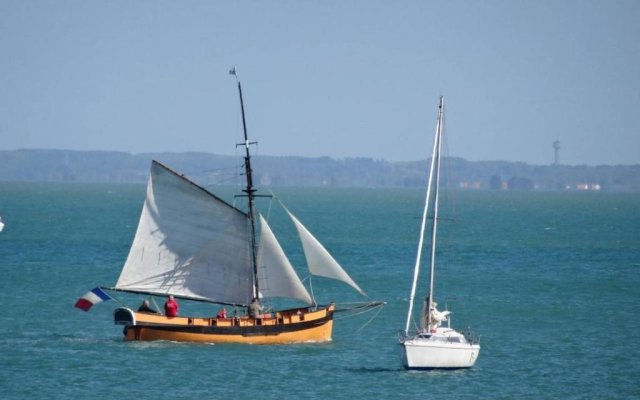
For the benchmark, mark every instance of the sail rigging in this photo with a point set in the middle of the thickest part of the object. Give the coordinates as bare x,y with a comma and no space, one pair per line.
426,314
435,164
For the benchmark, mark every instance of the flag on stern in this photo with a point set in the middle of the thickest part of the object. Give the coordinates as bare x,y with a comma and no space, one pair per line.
91,298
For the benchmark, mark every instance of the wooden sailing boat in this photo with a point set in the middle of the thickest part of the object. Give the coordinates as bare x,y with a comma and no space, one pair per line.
432,345
194,246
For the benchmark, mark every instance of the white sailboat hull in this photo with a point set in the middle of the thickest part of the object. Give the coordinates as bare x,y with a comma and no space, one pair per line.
448,350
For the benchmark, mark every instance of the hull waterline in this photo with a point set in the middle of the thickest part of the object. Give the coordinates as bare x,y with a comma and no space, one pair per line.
283,327
424,354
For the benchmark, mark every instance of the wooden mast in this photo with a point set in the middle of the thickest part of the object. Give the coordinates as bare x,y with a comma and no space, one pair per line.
249,190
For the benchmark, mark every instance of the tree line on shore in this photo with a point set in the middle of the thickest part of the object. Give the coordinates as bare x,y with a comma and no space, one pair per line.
212,169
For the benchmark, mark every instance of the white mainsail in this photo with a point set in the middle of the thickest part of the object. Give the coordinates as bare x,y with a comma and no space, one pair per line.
319,261
276,275
189,243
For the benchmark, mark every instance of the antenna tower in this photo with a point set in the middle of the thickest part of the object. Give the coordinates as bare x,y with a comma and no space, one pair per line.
556,152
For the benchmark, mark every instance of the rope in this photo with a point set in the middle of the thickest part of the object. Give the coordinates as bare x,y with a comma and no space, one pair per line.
362,307
370,320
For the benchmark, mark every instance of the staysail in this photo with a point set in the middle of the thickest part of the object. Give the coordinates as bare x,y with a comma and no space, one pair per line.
275,273
189,243
319,261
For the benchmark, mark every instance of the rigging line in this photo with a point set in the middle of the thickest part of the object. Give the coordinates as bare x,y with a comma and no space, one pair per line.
116,299
153,300
196,299
274,197
313,296
271,196
416,326
370,320
364,309
265,279
269,209
351,315
221,169
361,304
451,181
221,182
379,306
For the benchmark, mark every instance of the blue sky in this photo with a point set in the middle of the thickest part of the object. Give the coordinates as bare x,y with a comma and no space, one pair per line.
325,78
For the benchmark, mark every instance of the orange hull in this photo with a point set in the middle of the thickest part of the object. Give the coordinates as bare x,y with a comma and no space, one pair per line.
290,326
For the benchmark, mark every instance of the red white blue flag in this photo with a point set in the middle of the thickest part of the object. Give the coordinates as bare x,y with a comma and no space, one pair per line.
91,298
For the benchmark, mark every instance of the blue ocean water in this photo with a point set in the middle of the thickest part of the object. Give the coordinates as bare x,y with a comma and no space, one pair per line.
548,280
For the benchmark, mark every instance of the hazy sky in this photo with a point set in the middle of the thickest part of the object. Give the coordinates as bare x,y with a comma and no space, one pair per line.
325,78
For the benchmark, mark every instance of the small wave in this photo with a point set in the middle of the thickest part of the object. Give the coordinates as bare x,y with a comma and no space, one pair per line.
373,370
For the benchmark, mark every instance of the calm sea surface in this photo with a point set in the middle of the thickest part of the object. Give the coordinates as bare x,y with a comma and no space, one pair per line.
550,281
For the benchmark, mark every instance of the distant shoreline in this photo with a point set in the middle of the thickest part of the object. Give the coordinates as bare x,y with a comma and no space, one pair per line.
39,165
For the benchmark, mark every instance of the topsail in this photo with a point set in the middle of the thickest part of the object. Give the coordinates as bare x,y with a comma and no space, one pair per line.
319,261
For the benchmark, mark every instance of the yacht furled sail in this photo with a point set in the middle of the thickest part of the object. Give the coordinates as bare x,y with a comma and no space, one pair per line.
192,245
432,345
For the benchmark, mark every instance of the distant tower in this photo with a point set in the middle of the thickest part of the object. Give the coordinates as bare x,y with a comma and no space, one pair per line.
556,152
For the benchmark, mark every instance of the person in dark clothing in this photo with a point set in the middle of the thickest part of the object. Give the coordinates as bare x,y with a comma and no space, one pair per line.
145,307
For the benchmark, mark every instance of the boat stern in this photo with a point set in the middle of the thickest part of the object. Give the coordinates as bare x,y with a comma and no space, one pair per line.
124,316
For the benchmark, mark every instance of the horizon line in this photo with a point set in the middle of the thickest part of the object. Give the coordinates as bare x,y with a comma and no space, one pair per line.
314,157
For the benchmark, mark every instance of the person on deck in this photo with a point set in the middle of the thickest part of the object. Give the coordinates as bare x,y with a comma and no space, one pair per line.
171,307
255,309
222,313
145,307
437,317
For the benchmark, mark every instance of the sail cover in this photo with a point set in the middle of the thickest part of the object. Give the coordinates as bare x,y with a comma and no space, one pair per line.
319,261
189,243
276,275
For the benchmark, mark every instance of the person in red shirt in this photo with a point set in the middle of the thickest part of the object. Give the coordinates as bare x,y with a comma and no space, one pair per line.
171,307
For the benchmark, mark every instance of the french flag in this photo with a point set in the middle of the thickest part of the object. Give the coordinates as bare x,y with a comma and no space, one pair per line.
91,298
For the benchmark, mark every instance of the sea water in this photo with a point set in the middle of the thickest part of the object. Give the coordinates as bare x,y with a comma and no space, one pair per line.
549,281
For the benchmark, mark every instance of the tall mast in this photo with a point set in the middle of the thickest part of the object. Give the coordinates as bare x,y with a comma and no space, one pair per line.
416,269
249,190
435,210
